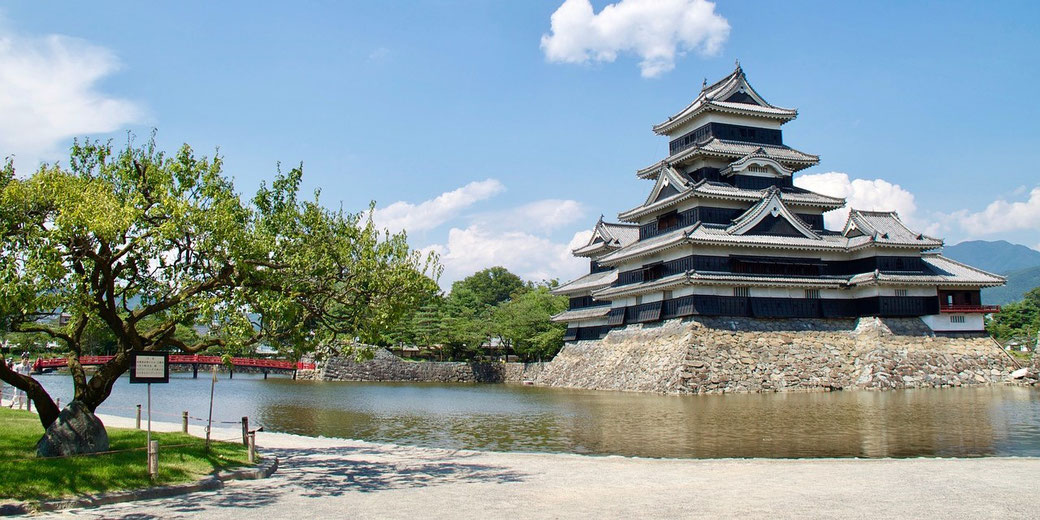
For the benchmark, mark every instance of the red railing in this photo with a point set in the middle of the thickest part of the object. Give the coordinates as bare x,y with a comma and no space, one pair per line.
180,359
980,309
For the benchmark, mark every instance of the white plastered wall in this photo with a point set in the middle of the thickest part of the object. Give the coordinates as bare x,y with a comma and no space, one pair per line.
943,323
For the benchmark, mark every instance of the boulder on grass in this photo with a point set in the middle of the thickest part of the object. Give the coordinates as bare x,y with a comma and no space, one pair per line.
76,431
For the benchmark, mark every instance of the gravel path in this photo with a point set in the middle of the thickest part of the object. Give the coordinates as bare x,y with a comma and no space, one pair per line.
336,478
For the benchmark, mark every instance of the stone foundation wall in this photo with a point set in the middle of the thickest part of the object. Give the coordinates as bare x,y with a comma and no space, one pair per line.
718,355
385,366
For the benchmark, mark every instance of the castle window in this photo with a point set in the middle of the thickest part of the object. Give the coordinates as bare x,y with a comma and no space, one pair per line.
812,294
956,319
667,221
901,292
742,292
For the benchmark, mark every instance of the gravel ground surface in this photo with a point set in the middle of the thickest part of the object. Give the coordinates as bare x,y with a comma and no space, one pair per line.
337,478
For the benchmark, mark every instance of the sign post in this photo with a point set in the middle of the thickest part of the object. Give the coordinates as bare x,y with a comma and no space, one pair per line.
209,423
150,367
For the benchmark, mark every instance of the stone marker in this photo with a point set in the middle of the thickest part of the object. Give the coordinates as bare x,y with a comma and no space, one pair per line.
76,431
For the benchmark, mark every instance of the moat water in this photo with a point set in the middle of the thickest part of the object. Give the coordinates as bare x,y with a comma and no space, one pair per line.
955,422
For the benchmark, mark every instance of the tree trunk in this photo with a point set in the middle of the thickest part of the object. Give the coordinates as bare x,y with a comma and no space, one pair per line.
99,387
45,407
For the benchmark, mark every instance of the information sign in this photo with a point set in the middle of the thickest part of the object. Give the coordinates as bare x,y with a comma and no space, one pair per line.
149,367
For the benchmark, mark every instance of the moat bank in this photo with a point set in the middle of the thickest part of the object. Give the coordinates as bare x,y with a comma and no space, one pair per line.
730,355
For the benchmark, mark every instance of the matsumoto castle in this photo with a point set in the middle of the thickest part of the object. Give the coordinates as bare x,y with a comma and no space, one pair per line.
724,232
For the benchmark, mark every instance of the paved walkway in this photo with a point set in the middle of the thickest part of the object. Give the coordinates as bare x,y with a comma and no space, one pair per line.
334,478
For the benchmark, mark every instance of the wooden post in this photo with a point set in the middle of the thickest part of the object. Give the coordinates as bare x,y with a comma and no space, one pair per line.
153,459
231,372
194,370
252,447
245,431
138,417
58,404
184,422
265,373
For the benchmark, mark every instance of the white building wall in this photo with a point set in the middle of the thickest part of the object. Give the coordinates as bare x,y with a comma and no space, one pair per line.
943,323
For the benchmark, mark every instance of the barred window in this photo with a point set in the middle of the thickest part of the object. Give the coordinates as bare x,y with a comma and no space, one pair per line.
956,319
812,294
902,292
742,292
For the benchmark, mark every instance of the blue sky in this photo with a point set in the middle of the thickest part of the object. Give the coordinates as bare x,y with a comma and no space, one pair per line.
492,148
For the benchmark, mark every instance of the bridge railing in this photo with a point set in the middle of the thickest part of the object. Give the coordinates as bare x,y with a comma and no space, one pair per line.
190,359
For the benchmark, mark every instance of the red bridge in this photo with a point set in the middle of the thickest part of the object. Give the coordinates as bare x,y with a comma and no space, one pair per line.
194,360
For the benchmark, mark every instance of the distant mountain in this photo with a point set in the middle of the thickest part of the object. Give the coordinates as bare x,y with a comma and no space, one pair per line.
999,257
1020,264
1018,283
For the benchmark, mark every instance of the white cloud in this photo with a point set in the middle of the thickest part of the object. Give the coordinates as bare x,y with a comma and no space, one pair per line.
872,195
529,256
1001,215
48,94
545,216
517,238
435,212
655,30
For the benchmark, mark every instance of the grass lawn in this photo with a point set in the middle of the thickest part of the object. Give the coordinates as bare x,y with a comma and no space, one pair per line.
25,477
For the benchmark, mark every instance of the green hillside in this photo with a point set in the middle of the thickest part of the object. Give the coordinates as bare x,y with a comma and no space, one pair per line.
998,256
1018,263
1018,283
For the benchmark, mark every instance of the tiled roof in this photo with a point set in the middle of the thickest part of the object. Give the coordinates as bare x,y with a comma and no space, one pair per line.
642,288
588,313
612,236
714,235
650,245
710,98
790,157
721,190
587,282
625,233
771,204
943,271
707,278
885,227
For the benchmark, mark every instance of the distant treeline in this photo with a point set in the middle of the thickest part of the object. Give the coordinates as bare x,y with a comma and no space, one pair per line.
492,311
1019,320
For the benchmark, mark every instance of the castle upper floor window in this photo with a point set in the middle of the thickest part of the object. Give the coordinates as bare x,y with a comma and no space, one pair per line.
668,220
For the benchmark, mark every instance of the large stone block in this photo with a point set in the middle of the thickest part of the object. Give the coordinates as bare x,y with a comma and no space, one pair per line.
76,431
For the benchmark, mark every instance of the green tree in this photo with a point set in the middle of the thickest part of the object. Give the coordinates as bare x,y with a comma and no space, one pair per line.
523,322
466,322
488,287
150,246
1018,319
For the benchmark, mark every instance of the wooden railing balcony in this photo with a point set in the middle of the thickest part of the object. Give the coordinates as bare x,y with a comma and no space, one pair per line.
979,309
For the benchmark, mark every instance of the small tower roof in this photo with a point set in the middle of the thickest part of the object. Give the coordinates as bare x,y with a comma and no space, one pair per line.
731,94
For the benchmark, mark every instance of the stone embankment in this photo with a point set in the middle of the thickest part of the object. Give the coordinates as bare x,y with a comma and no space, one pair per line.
720,355
385,366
